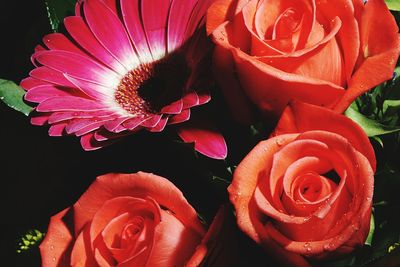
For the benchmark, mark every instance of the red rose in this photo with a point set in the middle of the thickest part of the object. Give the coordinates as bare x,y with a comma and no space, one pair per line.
128,220
324,52
286,195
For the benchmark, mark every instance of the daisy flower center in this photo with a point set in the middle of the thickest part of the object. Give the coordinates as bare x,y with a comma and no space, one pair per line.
151,86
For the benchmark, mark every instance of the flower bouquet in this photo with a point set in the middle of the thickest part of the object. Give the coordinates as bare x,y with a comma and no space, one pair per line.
201,133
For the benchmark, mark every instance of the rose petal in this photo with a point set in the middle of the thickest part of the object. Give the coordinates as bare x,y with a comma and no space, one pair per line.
173,242
82,254
246,178
139,184
380,48
291,86
302,117
55,248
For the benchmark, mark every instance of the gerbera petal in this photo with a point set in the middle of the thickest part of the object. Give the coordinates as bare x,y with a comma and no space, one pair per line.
183,116
178,19
79,124
206,138
89,83
78,8
57,41
197,17
43,92
131,14
112,4
78,66
119,129
110,32
204,97
89,143
40,119
69,103
37,50
190,100
152,121
133,123
57,129
160,125
49,75
89,128
79,30
29,83
92,90
173,108
112,125
104,135
155,17
67,115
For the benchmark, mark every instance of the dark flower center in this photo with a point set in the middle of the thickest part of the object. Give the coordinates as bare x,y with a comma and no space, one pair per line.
152,86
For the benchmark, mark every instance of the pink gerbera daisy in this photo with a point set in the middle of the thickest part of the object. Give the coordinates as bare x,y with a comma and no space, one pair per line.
126,65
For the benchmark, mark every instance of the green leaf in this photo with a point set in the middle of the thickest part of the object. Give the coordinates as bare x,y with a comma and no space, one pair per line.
57,10
221,180
368,242
31,239
393,4
378,140
12,95
391,106
371,127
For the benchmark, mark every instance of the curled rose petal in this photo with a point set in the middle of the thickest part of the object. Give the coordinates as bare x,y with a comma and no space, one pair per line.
135,219
306,192
325,53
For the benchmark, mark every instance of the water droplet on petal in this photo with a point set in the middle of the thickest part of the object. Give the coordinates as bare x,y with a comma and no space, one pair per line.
307,246
328,246
279,142
355,227
54,258
51,247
